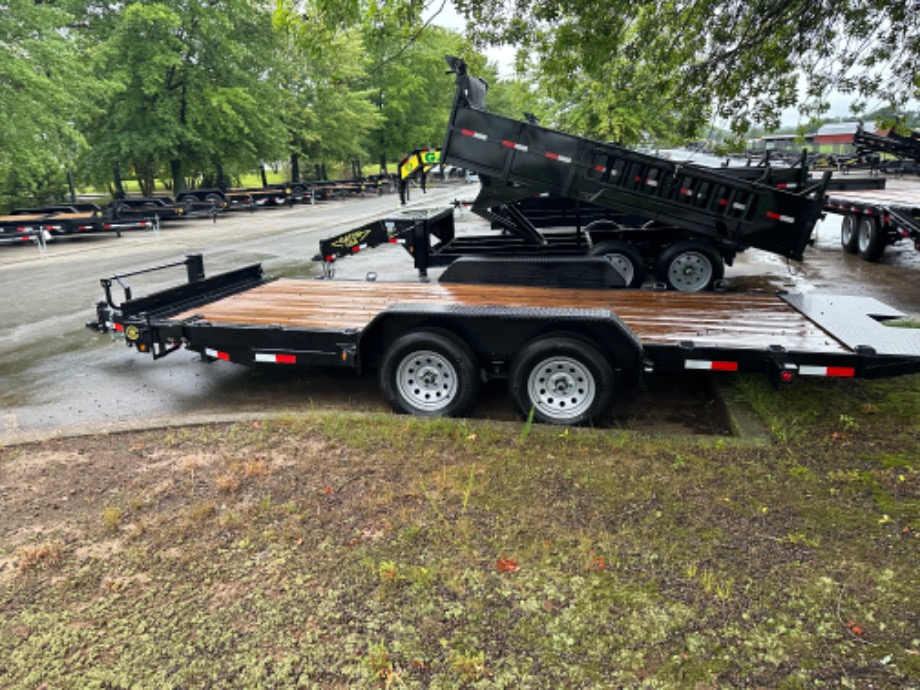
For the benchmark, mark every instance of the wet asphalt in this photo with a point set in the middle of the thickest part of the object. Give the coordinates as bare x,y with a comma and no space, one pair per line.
58,377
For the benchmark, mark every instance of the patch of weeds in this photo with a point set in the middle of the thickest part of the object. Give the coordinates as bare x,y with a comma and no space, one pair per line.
39,556
379,664
112,518
227,483
469,667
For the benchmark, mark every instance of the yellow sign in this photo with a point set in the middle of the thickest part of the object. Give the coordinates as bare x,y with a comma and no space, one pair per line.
131,333
426,158
351,239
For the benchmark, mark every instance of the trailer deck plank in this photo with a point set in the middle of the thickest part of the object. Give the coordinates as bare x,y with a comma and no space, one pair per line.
707,320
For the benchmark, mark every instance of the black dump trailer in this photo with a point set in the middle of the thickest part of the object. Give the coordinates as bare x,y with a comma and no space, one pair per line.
901,147
564,352
692,219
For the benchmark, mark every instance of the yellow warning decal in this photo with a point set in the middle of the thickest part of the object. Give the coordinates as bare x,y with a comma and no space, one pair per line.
351,239
132,333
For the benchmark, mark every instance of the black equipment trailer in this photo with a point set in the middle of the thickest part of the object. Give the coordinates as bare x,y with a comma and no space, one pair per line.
563,351
693,218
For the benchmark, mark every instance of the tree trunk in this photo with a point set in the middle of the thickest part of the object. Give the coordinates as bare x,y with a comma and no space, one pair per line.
383,164
262,173
295,167
175,168
119,187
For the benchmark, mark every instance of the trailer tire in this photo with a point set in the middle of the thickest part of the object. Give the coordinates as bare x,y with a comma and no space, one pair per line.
689,266
849,237
429,374
561,380
870,238
625,258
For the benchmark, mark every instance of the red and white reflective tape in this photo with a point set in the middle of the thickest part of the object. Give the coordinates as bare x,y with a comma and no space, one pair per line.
787,185
396,240
557,157
512,145
118,327
738,207
357,248
475,135
600,168
217,354
772,215
651,183
686,192
841,372
708,365
275,359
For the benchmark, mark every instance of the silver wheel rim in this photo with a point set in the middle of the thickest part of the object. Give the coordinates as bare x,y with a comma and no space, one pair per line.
864,236
846,230
427,380
690,271
622,265
561,388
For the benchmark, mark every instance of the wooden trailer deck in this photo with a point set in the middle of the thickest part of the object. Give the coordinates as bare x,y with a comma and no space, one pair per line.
706,319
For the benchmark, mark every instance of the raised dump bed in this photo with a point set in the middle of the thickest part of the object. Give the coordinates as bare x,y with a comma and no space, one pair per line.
516,159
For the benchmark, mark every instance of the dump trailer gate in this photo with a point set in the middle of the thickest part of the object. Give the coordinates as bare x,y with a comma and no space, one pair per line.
516,159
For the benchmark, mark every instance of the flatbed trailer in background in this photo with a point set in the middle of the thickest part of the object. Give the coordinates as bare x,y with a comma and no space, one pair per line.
564,352
20,228
875,219
77,219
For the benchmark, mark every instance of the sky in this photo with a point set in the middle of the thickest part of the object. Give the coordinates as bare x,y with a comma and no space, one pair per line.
503,57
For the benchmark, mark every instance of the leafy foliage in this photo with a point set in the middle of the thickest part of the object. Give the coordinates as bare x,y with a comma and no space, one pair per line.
741,61
192,83
43,89
327,110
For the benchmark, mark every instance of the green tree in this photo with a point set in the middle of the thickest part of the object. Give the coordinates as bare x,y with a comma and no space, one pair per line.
44,89
740,61
408,85
192,89
327,111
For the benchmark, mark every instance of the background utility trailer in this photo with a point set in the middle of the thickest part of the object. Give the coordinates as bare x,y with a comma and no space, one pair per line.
565,352
694,218
874,219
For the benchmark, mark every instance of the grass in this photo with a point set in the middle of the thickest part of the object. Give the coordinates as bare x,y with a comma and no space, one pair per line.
382,551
